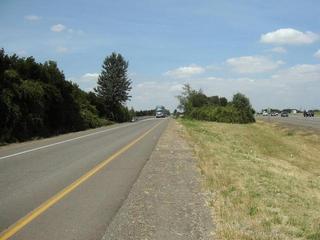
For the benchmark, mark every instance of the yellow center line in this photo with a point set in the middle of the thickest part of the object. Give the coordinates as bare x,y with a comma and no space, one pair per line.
17,226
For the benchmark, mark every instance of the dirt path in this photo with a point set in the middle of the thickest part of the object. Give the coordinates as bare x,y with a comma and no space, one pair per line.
167,201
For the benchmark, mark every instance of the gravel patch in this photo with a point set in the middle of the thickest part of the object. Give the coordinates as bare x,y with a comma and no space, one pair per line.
167,201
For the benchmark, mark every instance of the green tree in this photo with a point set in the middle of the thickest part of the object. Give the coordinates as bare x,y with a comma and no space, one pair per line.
244,108
184,103
114,85
191,98
214,100
36,100
223,101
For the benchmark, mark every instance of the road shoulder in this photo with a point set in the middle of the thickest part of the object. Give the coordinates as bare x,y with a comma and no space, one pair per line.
167,201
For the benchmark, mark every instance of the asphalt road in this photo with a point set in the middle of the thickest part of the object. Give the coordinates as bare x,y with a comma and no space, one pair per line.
50,183
295,120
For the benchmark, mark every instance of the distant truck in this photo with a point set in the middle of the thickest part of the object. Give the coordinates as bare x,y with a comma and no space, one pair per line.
160,112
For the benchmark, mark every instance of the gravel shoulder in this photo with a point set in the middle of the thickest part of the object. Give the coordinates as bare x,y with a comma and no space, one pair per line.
167,201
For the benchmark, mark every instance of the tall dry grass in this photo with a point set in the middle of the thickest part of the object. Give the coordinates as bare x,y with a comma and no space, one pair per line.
265,179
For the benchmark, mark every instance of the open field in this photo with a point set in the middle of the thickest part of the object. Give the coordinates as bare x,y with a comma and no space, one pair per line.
265,179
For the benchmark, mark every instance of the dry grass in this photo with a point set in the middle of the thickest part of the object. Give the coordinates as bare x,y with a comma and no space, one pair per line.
265,179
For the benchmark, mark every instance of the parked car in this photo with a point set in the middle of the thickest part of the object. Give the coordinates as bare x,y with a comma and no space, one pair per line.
274,114
284,114
265,113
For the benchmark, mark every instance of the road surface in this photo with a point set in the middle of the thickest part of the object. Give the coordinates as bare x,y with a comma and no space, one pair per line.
295,120
70,186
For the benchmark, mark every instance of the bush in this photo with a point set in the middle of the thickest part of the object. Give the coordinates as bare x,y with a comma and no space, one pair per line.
197,105
228,114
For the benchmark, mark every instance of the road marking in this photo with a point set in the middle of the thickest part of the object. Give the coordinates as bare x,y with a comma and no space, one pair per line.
68,140
17,226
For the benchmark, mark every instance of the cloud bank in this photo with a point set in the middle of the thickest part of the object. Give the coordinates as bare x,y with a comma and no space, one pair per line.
289,36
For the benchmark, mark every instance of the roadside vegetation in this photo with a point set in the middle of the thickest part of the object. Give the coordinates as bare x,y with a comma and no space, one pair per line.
37,101
196,105
264,179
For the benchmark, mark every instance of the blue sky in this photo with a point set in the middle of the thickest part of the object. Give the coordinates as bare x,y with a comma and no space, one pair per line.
269,50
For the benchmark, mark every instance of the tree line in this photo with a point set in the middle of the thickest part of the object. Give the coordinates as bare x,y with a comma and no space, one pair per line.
37,101
195,104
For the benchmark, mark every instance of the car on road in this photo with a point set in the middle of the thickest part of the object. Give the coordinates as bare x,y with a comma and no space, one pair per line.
274,114
160,114
265,113
284,114
310,113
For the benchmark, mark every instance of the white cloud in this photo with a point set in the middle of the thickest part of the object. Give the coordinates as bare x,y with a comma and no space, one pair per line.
176,88
61,49
185,72
289,36
58,28
87,81
32,17
89,77
317,54
253,64
295,87
147,95
301,73
279,50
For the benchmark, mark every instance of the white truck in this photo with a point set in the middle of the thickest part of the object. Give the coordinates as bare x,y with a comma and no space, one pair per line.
160,112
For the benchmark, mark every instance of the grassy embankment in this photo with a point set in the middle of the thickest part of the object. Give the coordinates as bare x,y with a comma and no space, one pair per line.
265,179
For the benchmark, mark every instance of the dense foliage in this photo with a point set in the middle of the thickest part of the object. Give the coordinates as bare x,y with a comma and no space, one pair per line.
150,112
37,101
195,104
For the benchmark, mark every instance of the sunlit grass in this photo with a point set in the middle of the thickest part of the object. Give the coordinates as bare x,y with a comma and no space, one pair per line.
265,179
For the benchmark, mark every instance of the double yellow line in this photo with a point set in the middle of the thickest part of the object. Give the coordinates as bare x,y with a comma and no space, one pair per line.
17,226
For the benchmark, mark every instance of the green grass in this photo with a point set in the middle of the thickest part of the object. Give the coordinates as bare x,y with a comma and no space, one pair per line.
265,179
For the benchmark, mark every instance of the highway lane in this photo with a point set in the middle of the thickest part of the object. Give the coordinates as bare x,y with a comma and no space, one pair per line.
33,172
294,120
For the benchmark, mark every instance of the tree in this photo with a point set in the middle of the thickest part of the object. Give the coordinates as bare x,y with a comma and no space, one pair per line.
184,104
191,98
214,100
223,101
198,99
36,100
113,84
243,106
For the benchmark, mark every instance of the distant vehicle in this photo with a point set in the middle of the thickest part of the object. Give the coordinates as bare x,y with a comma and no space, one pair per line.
265,113
274,114
284,114
310,113
160,112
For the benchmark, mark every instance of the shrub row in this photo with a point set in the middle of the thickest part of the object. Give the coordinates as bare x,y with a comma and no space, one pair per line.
228,114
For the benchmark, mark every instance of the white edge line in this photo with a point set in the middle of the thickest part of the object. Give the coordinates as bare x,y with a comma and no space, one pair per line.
72,139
